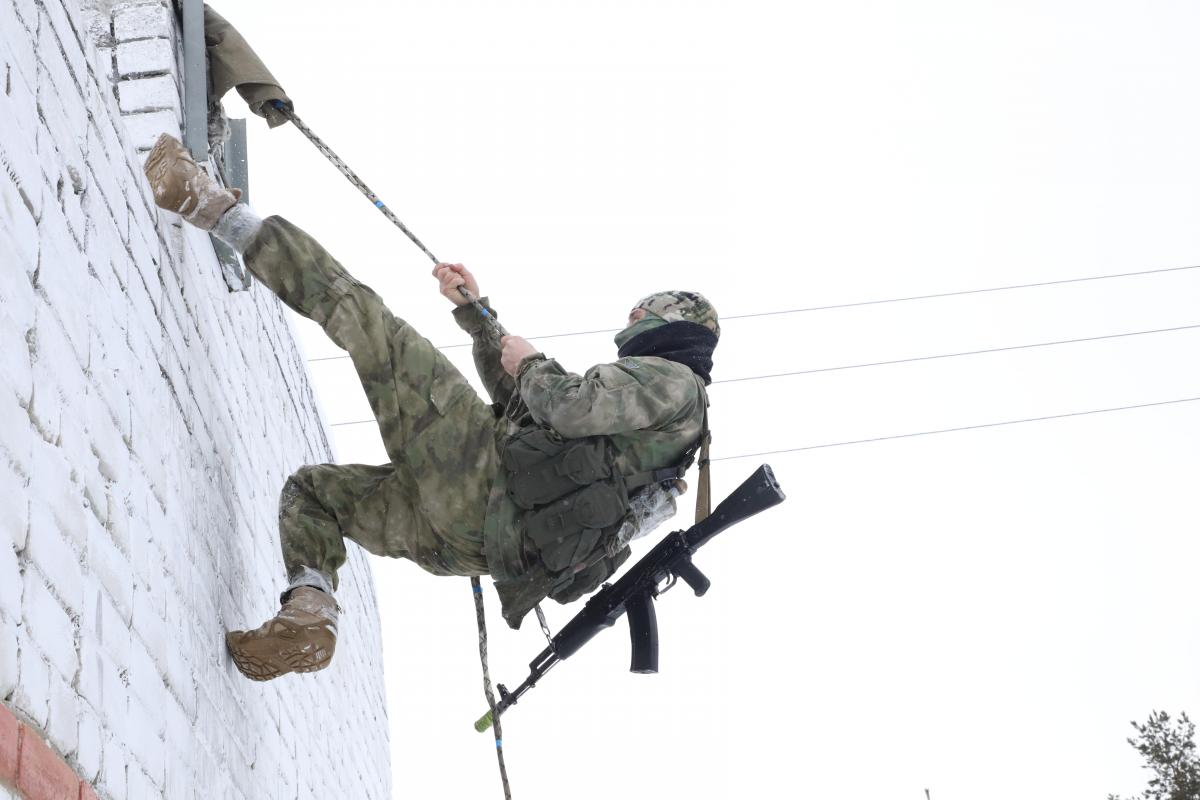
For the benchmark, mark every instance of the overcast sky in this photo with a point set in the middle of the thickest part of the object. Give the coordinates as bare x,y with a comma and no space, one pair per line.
978,613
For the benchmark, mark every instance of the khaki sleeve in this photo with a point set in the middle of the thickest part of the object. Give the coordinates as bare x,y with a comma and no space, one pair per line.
629,395
232,63
485,348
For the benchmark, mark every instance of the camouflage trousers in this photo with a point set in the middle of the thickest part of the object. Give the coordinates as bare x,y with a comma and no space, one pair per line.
428,504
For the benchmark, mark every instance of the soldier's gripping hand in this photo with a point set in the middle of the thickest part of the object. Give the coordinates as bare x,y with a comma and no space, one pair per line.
515,350
452,276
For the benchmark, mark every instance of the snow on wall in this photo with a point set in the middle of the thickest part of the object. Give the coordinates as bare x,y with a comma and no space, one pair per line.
148,419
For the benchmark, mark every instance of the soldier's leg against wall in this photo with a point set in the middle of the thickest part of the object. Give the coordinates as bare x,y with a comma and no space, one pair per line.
310,505
320,507
432,423
374,506
407,380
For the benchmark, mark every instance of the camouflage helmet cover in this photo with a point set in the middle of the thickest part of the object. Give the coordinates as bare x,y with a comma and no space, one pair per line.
682,307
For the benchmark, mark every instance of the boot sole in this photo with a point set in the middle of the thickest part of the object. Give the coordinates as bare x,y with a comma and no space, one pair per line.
272,662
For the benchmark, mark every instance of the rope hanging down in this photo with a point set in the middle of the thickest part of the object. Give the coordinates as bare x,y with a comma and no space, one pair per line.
477,589
497,329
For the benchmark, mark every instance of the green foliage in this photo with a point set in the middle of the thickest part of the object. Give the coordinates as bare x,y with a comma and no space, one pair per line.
1170,753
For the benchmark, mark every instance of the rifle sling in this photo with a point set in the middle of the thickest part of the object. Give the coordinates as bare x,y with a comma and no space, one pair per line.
649,477
704,487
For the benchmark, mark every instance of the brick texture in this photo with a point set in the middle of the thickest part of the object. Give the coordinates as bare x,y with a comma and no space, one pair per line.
150,418
10,738
43,775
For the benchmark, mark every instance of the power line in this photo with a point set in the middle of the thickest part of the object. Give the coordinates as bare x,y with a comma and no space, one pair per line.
855,304
956,355
966,292
956,430
528,338
915,359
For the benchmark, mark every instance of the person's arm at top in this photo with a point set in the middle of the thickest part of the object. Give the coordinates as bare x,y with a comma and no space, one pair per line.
485,347
629,395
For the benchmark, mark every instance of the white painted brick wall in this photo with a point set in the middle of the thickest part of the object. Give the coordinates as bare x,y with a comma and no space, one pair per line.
158,93
144,57
143,444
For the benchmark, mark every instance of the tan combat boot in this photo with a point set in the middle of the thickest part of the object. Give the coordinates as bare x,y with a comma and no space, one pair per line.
300,638
181,186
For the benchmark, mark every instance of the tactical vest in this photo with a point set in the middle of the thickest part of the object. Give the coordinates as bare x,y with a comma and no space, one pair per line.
574,501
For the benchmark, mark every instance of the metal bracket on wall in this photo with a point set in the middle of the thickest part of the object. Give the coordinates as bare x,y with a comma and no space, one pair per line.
230,159
237,161
234,169
196,128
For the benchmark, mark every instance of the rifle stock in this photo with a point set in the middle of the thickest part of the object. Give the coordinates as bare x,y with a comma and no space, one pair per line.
757,493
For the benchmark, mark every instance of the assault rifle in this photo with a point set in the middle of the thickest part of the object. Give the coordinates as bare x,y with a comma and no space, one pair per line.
634,592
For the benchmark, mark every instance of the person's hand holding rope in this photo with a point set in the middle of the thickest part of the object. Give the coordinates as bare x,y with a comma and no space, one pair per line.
515,351
452,276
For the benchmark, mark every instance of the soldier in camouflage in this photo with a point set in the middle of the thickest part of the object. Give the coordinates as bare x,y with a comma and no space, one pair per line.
460,495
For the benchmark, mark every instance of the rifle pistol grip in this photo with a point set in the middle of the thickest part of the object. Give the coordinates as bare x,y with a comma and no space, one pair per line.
693,577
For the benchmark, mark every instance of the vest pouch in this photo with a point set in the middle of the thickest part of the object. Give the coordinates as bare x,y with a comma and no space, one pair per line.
568,530
541,469
588,581
584,462
531,447
526,457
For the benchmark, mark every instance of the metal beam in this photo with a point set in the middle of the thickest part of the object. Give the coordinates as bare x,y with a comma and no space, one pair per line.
237,167
195,80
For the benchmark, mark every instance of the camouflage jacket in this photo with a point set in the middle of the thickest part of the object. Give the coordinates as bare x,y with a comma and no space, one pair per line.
652,409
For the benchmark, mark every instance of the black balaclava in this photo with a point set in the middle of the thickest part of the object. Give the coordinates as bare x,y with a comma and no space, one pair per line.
687,343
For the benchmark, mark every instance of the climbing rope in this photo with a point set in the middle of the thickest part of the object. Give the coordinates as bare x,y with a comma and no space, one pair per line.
487,684
497,329
361,185
351,176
